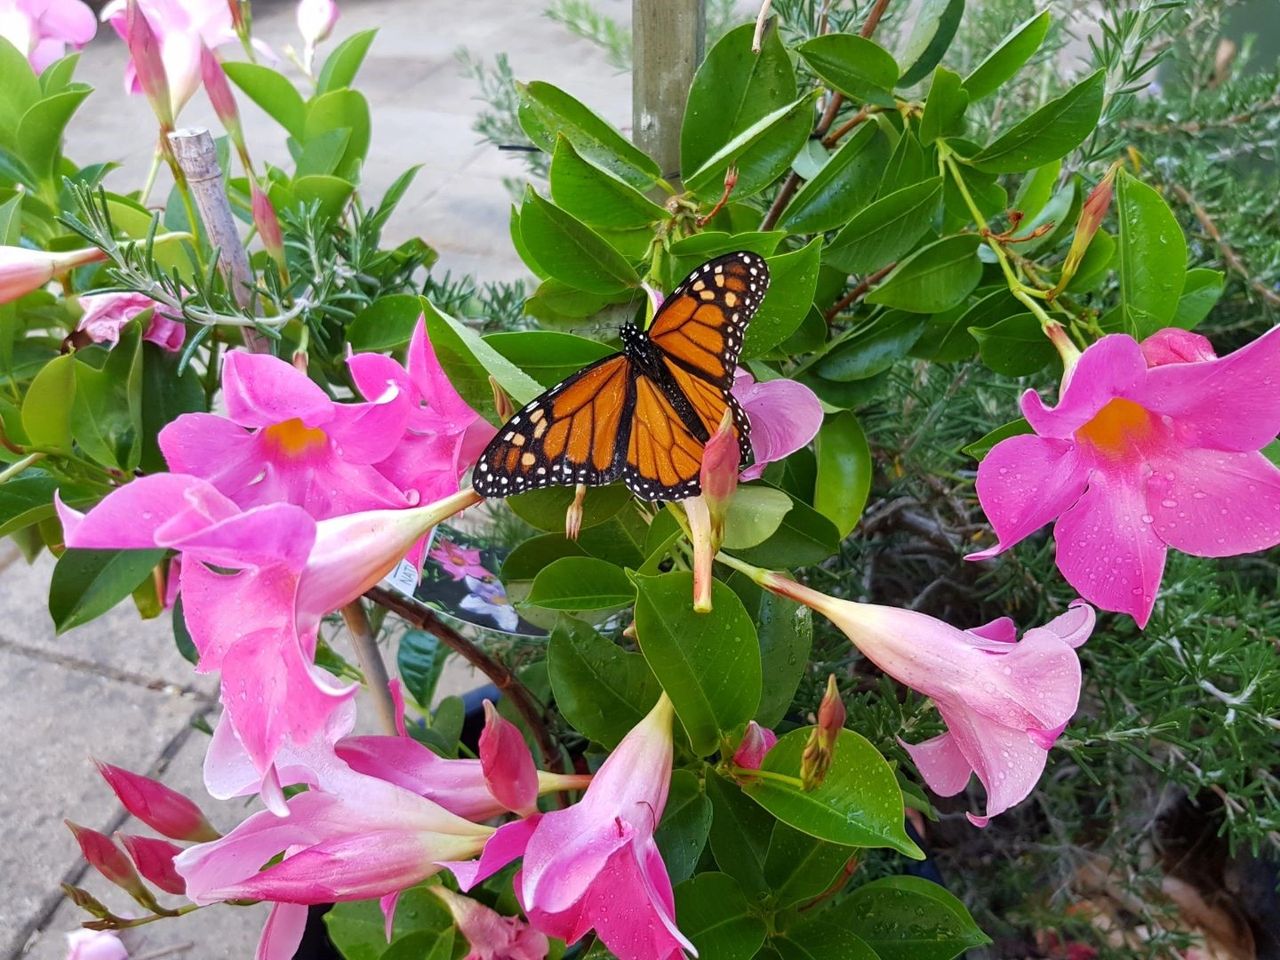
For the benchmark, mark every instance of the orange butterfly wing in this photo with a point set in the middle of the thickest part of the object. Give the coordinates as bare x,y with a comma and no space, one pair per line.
664,458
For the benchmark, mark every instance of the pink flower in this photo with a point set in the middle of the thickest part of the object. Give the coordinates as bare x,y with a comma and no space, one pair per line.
491,935
1004,701
23,270
105,315
459,562
784,415
104,856
595,865
316,19
182,28
1151,447
444,436
95,945
255,584
757,741
285,441
42,29
164,810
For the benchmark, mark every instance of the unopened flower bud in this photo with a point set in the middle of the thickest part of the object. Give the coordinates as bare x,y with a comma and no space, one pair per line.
86,901
105,857
509,770
268,224
815,762
148,64
721,458
1092,213
502,404
224,103
154,860
756,742
162,809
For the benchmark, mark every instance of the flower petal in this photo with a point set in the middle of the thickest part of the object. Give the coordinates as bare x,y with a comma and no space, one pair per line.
1025,482
1175,345
1112,367
1072,628
261,390
941,764
282,933
1211,503
784,416
211,447
137,515
1006,760
645,929
508,843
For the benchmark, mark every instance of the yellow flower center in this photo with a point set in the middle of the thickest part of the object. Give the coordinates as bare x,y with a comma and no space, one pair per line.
1116,428
293,438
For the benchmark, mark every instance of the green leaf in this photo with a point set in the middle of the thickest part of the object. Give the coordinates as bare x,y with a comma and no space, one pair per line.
761,153
331,193
805,536
944,109
1007,59
786,638
686,821
385,324
88,583
166,395
272,92
420,660
740,832
548,356
820,939
19,89
793,278
844,471
28,498
341,66
799,867
323,153
571,251
909,163
337,110
1015,346
842,187
40,131
1036,189
545,508
601,689
859,804
754,513
935,25
596,197
106,409
886,229
1051,132
1153,258
708,663
946,337
982,446
357,928
859,68
1200,291
469,361
934,278
530,555
46,409
713,912
873,348
909,918
581,583
733,88
547,111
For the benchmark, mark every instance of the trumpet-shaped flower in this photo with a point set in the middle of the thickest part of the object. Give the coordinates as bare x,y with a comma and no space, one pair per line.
255,584
285,441
491,935
42,29
443,436
784,416
1004,701
105,315
316,19
23,270
583,863
1152,446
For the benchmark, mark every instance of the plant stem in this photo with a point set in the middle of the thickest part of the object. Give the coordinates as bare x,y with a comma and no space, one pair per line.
790,781
501,676
150,182
371,665
15,468
858,292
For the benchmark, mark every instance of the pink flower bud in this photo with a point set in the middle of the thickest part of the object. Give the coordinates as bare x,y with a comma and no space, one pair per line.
219,91
164,810
509,770
756,742
315,20
23,270
148,64
268,224
1174,345
815,762
95,945
105,857
154,860
720,459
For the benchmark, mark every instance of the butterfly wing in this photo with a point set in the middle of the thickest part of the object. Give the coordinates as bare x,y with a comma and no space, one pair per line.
574,433
664,457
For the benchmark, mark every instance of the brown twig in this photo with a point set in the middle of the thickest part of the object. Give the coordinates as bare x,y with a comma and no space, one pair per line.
831,139
1200,126
858,292
1228,253
502,677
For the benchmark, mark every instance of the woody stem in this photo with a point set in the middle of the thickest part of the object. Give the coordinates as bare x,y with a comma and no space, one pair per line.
371,665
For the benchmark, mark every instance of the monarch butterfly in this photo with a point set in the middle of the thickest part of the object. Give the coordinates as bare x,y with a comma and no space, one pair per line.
644,414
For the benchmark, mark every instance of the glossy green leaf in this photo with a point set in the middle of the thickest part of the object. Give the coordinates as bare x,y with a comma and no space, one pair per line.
19,89
909,918
330,193
88,583
708,663
859,68
581,583
420,660
859,804
547,111
935,23
46,409
271,91
761,153
1051,132
946,337
944,108
469,362
1014,346
571,251
106,410
322,154
1152,258
545,508
793,277
385,324
1036,189
546,355
799,867
740,832
341,66
844,471
531,554
358,929
620,539
337,110
1006,60
166,395
733,88
934,278
713,912
597,197
1200,292
982,446
818,938
872,348
28,498
686,821
754,513
39,139
805,536
886,229
785,630
842,187
909,163
601,690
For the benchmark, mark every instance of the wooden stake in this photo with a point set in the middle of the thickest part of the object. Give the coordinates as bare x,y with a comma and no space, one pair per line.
667,40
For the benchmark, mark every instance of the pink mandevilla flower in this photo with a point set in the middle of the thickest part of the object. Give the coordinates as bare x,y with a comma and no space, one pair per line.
105,315
285,441
1152,446
583,863
42,29
23,270
784,416
491,935
95,945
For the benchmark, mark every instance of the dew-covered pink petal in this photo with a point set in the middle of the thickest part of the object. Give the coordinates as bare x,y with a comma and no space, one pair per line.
1024,482
1112,367
261,390
941,764
1214,503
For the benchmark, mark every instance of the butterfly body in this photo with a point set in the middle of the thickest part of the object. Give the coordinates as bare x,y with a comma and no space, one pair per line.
644,414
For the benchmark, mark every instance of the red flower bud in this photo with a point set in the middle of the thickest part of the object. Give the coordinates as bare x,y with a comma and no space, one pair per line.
268,224
509,770
164,810
105,857
815,762
144,48
219,91
154,860
756,742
